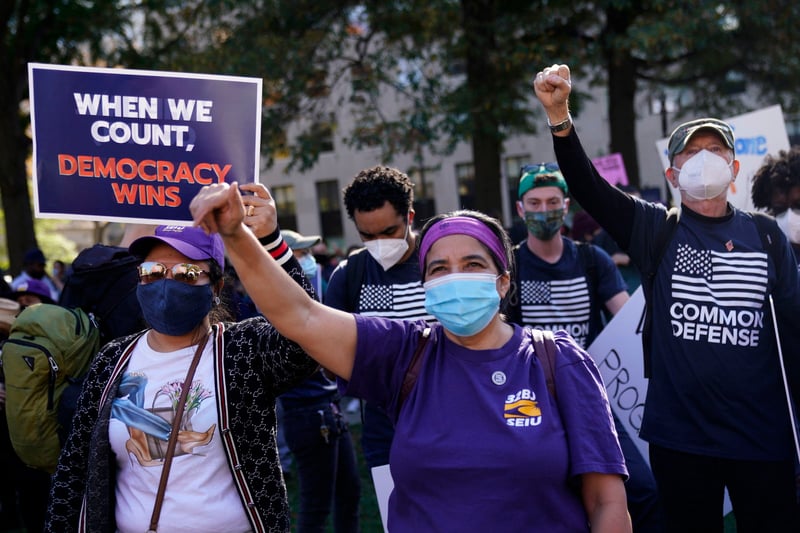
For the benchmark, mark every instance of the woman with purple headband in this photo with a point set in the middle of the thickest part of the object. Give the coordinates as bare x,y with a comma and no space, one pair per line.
480,444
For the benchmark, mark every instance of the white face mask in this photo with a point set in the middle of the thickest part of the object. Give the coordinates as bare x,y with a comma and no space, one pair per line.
789,222
387,252
705,175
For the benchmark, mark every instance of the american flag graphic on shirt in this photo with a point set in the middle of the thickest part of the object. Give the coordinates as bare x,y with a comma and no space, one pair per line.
730,279
553,302
405,301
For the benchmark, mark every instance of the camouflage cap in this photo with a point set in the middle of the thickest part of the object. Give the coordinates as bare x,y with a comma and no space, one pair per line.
683,133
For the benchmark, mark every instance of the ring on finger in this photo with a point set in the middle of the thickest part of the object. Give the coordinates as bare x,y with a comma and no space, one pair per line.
250,209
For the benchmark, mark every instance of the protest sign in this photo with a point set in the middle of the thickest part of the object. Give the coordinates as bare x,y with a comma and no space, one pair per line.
756,134
612,168
136,146
617,352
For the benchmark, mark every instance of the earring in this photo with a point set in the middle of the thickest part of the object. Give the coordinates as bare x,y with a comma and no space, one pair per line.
216,300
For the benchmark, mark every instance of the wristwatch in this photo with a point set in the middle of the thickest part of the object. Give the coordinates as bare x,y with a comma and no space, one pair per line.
561,126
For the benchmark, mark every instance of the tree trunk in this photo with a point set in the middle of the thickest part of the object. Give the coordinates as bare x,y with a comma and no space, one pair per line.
14,148
479,23
622,98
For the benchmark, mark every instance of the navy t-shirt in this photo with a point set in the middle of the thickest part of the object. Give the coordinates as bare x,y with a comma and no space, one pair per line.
559,295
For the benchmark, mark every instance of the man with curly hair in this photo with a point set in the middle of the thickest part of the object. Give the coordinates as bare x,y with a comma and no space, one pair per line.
381,279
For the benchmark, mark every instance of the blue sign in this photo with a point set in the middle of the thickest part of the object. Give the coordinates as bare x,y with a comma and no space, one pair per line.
136,146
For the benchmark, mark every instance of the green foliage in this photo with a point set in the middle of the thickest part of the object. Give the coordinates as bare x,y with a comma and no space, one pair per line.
53,243
454,71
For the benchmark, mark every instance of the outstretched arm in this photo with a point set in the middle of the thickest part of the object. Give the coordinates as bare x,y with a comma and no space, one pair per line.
315,327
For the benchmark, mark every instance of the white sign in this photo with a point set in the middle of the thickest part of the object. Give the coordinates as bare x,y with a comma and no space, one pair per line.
756,134
617,352
384,485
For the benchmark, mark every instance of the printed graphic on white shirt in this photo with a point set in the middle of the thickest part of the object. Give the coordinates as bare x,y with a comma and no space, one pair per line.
149,426
718,296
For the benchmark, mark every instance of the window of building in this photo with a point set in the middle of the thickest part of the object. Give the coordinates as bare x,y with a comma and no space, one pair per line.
465,179
317,84
280,146
330,211
424,180
362,77
286,205
322,133
511,167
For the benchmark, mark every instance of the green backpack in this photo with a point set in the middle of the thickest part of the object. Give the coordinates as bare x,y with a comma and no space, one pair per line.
48,351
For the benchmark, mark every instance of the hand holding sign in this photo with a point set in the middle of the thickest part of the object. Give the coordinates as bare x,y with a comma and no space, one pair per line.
135,146
261,215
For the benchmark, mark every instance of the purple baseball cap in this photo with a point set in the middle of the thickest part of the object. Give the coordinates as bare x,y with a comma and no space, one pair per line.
35,287
191,241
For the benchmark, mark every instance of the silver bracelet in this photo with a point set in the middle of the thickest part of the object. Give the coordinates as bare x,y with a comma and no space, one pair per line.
561,126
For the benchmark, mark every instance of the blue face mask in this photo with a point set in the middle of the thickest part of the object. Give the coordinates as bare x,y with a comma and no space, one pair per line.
173,307
309,265
544,224
463,303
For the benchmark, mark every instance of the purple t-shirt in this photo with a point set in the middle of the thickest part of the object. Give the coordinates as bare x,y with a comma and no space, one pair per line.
479,443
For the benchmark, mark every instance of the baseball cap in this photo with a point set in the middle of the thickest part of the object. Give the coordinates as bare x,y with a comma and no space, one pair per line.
35,287
191,241
683,133
540,175
35,256
297,241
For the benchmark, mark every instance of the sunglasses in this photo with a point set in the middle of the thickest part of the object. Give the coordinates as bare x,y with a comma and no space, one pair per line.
151,271
538,168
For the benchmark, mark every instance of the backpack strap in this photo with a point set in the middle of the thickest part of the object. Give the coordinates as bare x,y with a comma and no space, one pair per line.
410,378
662,240
513,310
544,345
588,261
354,277
768,230
173,435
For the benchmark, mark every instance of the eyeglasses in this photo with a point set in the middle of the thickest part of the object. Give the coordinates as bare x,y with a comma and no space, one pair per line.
188,273
538,168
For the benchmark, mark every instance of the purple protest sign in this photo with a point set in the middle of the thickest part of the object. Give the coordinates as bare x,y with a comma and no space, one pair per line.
136,146
612,168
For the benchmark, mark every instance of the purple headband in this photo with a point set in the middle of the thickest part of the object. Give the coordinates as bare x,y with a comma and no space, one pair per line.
461,225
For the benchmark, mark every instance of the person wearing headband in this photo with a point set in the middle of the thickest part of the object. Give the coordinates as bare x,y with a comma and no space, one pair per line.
479,441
